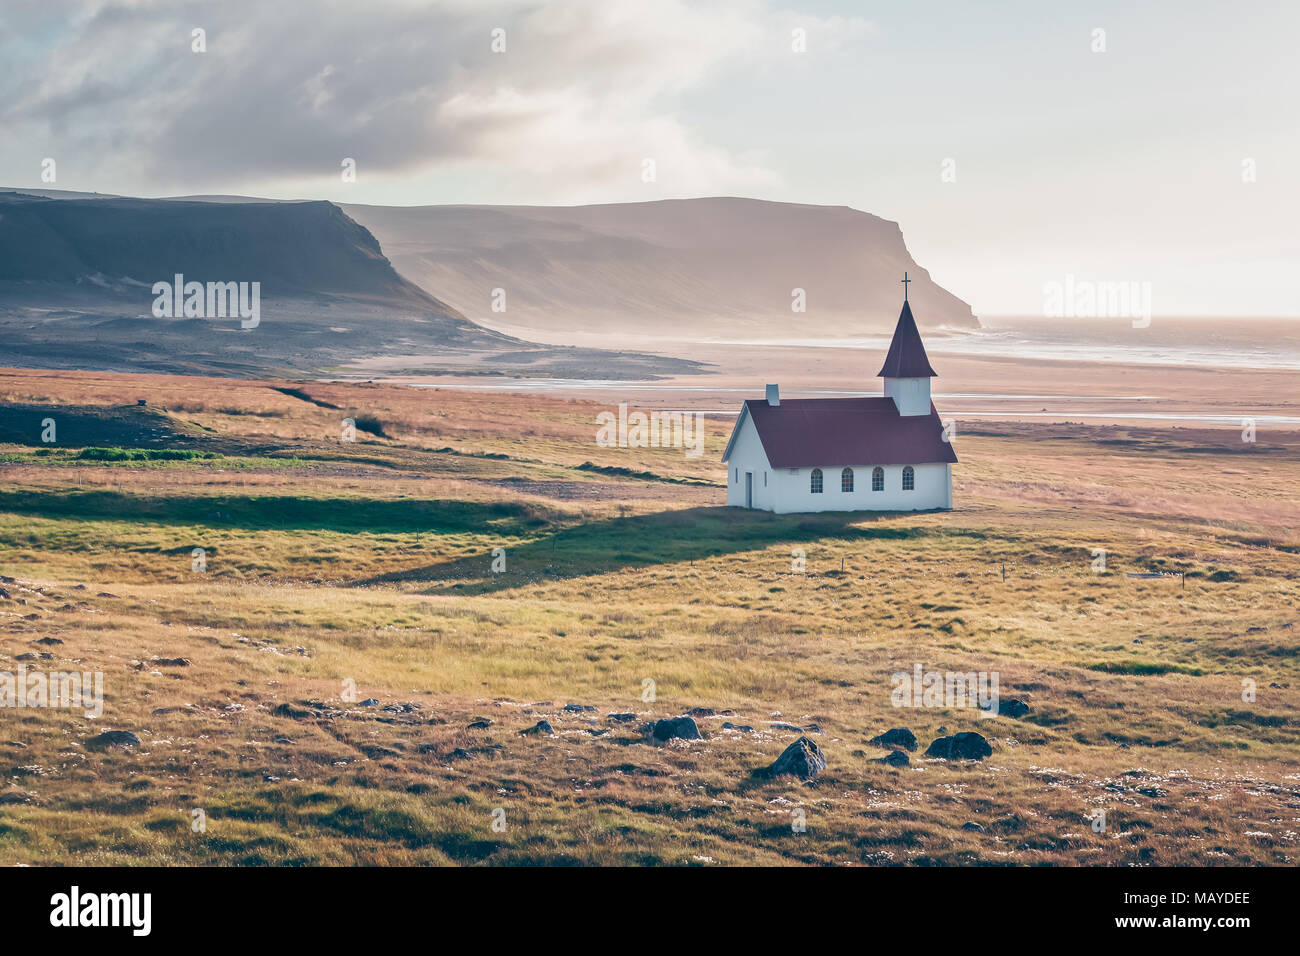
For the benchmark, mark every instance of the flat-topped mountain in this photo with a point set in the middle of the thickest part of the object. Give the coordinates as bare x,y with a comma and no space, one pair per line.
704,266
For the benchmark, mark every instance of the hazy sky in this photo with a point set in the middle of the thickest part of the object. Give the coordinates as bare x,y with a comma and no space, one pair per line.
1123,165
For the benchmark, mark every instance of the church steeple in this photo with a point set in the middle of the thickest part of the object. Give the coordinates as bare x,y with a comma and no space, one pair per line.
906,358
907,370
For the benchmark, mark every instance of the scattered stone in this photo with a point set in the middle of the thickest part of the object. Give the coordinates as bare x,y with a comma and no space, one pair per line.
962,746
105,594
27,656
293,712
975,827
895,737
481,724
369,702
1011,708
112,738
802,759
622,718
790,727
701,712
739,728
676,728
895,758
170,662
284,741
578,708
541,727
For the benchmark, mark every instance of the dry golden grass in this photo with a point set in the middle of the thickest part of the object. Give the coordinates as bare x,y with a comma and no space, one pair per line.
371,564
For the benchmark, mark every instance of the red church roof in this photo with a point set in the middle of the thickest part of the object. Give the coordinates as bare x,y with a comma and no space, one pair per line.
906,358
810,432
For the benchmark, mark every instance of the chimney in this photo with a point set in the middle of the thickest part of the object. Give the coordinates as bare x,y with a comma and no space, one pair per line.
774,395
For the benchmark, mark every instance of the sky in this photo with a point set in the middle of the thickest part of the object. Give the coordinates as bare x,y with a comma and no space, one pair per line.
1016,143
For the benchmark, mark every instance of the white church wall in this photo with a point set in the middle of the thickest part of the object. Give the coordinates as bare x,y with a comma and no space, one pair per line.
910,395
747,455
793,490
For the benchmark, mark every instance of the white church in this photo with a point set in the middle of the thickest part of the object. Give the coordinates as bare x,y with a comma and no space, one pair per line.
847,454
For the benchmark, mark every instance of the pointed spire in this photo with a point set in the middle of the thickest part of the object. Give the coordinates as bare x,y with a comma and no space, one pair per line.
906,358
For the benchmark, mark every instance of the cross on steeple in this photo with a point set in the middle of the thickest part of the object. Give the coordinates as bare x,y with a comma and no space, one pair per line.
905,281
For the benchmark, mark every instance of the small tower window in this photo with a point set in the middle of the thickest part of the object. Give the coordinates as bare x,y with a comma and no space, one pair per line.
909,479
815,483
877,479
846,480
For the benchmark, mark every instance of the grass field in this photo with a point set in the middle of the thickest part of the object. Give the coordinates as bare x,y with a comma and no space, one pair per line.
330,566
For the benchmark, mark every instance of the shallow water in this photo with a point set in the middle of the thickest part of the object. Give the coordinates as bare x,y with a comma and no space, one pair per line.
1242,343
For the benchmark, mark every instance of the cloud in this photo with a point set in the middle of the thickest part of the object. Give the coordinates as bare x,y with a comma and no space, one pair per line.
583,93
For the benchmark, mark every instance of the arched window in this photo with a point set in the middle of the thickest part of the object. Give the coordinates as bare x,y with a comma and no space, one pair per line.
846,479
909,479
877,479
816,484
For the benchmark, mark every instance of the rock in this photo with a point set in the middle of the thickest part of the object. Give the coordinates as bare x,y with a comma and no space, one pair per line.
369,702
895,737
802,759
293,712
112,738
578,708
962,746
481,724
790,727
895,758
170,662
701,712
813,728
739,728
460,753
622,718
1010,708
49,641
541,727
975,827
676,728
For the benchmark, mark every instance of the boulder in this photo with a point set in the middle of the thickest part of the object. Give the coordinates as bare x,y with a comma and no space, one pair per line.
676,728
895,737
962,746
541,727
1011,708
112,738
895,758
802,759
